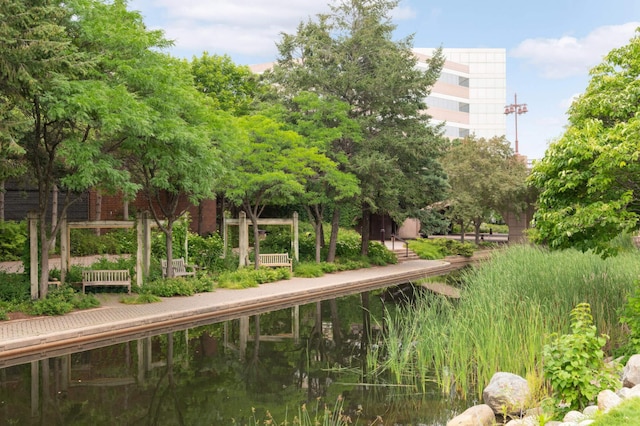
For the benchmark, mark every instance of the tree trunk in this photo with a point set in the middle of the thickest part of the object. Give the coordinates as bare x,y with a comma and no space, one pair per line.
54,216
256,242
476,226
333,240
125,210
366,226
169,247
462,231
44,256
2,190
98,215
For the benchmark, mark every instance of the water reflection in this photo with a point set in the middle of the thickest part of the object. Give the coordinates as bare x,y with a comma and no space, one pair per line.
218,374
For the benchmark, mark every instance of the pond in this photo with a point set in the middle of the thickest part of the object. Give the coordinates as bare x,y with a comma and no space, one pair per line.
222,374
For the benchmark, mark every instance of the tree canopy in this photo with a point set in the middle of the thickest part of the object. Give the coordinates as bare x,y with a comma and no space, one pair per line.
350,55
589,179
485,179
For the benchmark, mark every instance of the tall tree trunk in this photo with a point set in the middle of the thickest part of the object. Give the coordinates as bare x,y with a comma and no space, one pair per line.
98,215
256,242
2,190
333,240
44,255
476,226
54,216
169,247
462,231
366,226
125,210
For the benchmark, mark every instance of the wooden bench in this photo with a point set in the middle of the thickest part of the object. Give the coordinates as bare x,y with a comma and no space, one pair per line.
106,278
180,268
276,260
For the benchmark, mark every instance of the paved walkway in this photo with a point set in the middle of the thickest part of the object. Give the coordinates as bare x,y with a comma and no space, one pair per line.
24,340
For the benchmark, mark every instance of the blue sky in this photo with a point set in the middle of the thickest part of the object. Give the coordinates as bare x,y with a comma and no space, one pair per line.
551,44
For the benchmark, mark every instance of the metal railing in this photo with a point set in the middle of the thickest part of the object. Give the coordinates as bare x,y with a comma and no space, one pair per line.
394,237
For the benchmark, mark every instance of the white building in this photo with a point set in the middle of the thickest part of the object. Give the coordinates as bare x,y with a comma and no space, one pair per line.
471,93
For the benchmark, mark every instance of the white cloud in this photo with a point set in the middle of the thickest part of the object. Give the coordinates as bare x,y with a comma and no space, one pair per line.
568,56
236,27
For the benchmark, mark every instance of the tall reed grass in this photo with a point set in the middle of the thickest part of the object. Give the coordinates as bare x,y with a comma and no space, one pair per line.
509,307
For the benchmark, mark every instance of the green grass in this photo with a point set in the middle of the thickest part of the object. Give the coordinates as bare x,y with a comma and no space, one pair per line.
508,309
625,414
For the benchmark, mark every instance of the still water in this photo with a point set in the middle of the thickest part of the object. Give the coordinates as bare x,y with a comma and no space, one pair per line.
219,374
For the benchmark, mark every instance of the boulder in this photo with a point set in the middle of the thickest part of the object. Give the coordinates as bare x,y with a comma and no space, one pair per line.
573,416
506,393
478,415
631,372
607,399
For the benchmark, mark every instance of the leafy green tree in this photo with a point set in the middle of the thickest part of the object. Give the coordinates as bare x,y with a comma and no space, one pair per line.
12,125
485,178
58,76
350,55
589,179
323,122
232,87
269,166
177,161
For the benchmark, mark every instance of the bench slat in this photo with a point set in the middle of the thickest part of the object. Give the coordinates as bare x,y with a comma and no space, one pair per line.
106,277
179,268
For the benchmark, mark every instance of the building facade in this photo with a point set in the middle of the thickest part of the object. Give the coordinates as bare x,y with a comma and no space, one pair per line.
471,92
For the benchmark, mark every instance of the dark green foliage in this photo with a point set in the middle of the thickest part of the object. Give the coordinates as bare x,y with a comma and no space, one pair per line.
380,255
61,301
206,252
249,277
309,270
179,286
85,242
14,287
13,238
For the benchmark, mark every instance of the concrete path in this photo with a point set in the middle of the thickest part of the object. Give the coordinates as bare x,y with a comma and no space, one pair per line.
34,338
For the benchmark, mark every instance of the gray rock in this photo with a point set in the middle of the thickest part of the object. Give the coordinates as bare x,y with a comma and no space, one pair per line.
478,415
607,399
631,372
590,411
574,416
506,391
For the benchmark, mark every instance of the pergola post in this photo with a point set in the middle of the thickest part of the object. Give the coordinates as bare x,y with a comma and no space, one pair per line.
243,236
65,249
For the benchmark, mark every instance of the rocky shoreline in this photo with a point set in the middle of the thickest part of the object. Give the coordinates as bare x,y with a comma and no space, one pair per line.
509,393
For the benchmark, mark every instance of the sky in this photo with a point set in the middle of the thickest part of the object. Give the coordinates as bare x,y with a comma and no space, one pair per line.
551,44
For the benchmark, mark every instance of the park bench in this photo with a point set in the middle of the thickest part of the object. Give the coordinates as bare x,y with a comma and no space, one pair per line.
180,268
106,278
276,260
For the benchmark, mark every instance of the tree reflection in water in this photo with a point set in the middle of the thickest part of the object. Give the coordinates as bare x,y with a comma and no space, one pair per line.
199,376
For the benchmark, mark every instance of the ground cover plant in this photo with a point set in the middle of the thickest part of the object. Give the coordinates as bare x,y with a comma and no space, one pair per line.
509,308
439,248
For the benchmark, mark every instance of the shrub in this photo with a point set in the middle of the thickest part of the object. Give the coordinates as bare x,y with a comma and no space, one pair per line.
140,299
249,277
574,363
438,248
14,287
13,239
61,301
309,270
380,255
177,286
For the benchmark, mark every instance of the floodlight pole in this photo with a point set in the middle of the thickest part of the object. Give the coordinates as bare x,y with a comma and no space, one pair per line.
516,109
